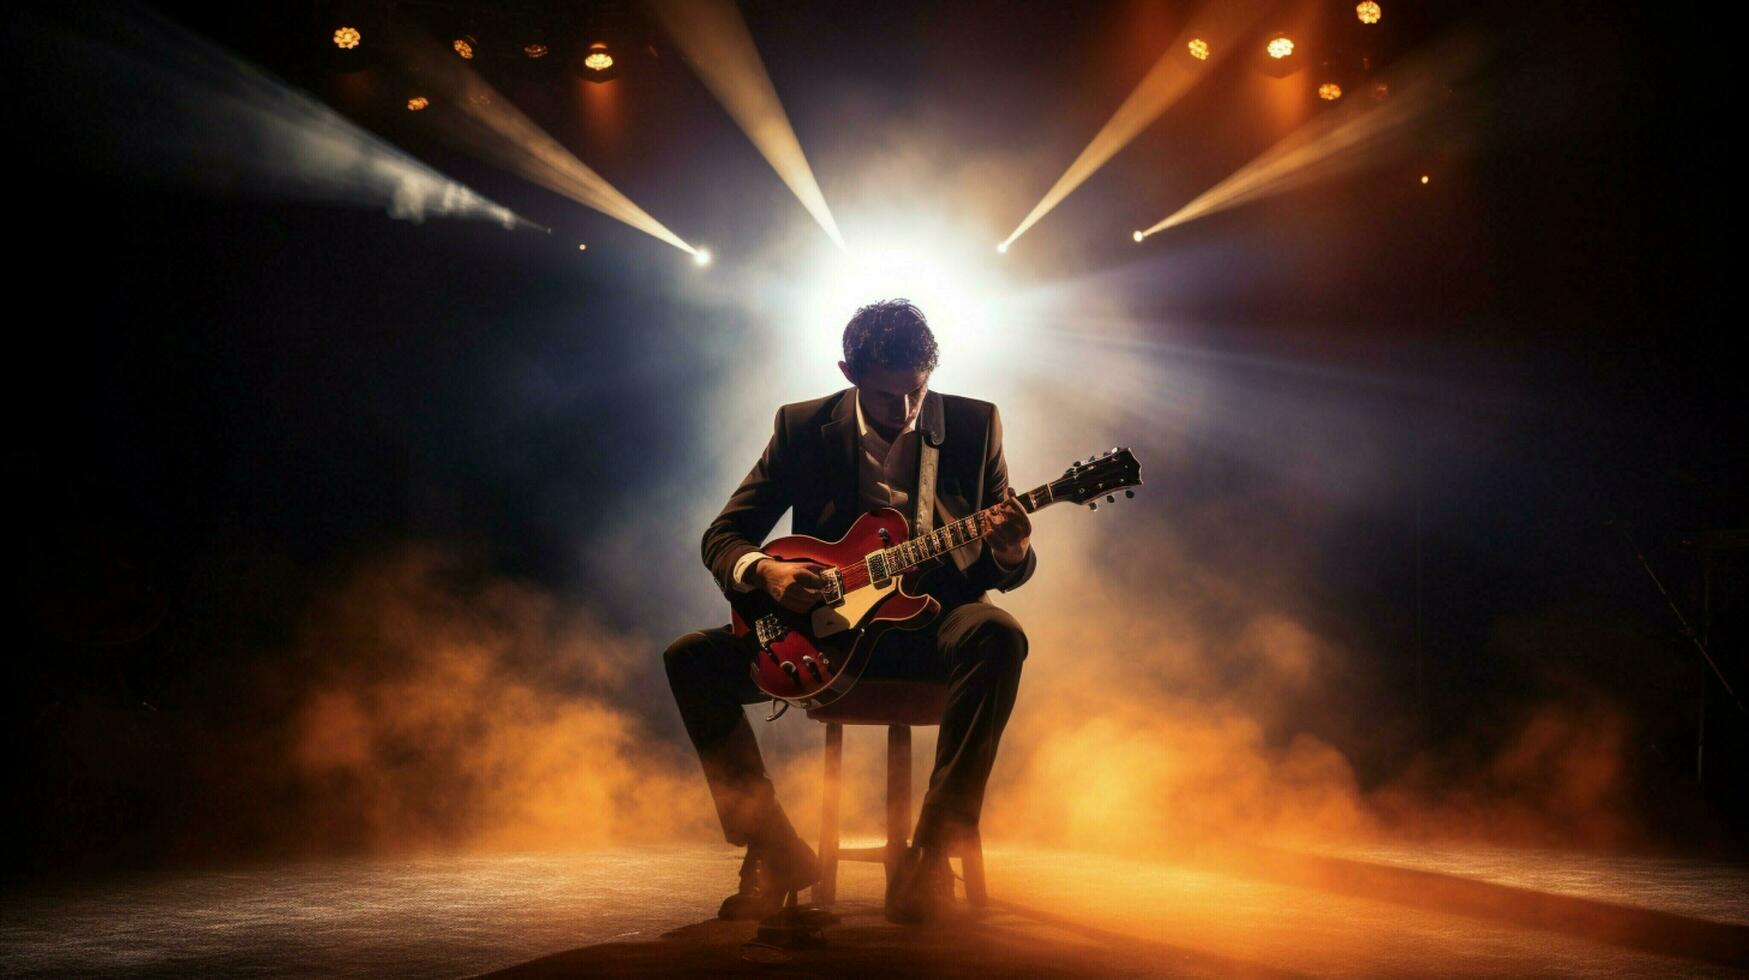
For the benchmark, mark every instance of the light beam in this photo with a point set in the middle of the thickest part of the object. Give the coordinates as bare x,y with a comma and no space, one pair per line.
720,49
492,128
1354,136
1164,85
157,101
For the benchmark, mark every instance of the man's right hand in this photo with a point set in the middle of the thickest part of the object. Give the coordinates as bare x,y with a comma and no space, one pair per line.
794,585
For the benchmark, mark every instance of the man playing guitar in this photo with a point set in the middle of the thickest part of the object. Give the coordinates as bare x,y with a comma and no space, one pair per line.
831,460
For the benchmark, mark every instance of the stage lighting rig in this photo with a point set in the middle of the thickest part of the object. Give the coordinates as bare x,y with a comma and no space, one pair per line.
702,257
417,103
1329,92
465,46
1368,12
1199,49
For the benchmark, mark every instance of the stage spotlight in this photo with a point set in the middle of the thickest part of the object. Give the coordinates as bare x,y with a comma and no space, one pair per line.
1199,49
597,63
1329,91
1368,12
535,51
417,103
1280,56
1002,248
464,46
1425,178
582,247
701,257
347,38
1138,236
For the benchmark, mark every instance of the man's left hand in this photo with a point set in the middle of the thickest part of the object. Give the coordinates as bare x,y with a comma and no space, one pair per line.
1011,529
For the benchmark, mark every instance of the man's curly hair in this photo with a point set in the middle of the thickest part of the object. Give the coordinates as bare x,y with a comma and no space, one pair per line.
892,334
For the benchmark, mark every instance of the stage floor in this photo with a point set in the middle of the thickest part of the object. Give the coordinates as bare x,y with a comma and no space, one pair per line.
1376,911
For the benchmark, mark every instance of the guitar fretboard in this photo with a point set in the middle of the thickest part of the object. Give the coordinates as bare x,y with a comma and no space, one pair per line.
906,555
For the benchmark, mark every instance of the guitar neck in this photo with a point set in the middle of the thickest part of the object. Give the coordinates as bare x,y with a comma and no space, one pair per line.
907,555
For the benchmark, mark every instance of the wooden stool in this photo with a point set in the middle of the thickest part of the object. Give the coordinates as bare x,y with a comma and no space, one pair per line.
901,706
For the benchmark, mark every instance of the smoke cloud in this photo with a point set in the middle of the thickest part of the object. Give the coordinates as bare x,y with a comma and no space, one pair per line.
447,710
444,708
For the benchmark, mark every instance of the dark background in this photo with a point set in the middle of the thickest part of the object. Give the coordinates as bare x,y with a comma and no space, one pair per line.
221,403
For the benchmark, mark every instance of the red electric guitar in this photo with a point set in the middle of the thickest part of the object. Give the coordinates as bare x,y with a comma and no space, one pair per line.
813,658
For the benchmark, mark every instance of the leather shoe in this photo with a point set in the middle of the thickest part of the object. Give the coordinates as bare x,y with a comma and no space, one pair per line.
752,900
921,889
791,865
768,874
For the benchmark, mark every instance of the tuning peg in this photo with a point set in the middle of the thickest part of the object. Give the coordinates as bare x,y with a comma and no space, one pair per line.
1093,506
1129,493
1110,499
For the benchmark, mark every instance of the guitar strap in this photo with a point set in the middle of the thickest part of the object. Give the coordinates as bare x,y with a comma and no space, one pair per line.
925,490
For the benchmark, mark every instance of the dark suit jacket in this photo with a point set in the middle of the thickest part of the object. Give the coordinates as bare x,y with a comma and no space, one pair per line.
810,466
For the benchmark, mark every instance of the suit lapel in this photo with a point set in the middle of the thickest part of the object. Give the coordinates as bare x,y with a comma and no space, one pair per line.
839,437
839,433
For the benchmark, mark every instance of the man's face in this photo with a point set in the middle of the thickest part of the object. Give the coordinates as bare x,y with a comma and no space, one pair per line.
891,398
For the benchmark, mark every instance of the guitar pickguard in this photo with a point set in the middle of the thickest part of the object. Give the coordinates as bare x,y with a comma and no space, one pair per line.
852,611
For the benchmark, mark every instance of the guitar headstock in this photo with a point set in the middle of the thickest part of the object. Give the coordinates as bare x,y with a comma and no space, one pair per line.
1100,475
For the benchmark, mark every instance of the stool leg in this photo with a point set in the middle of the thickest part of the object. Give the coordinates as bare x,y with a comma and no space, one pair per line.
826,889
898,794
972,863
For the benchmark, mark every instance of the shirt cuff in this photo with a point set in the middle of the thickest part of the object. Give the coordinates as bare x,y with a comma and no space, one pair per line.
738,575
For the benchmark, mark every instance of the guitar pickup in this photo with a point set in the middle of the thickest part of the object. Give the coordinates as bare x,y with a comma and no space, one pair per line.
878,570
